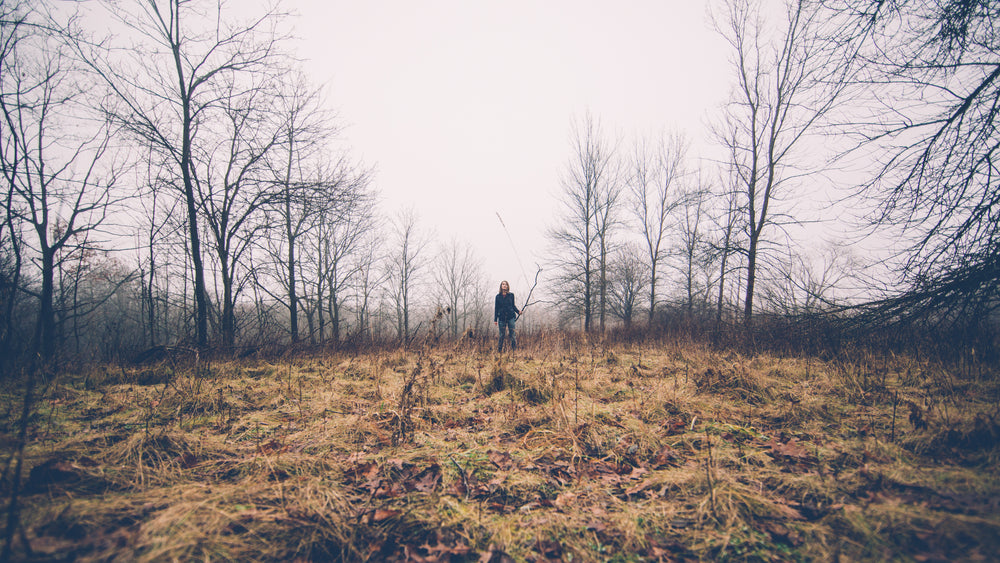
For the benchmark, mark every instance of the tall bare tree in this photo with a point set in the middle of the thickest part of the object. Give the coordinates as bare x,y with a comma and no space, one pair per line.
165,69
154,233
724,246
590,190
784,87
15,28
629,276
654,173
692,246
306,127
55,158
345,220
608,219
405,265
232,187
368,278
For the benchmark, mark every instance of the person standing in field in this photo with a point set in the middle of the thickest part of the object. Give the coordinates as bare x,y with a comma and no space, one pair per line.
505,314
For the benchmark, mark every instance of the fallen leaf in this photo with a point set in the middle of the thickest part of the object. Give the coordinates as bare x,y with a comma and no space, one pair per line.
675,426
368,470
502,460
640,487
427,480
495,555
382,514
637,472
787,512
564,500
667,456
549,549
791,449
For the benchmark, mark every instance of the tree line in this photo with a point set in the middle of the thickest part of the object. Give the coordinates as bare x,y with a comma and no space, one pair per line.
902,94
177,179
174,177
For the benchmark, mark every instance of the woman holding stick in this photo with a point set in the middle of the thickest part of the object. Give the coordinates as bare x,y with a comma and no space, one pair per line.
505,314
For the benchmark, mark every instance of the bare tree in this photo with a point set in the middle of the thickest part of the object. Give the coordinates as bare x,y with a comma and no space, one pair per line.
629,277
337,243
581,240
15,28
11,268
652,179
231,184
809,285
457,277
692,247
607,221
56,160
724,247
784,88
366,281
305,130
153,234
404,266
164,70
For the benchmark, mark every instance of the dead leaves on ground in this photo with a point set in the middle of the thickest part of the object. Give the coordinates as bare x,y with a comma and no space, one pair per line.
484,477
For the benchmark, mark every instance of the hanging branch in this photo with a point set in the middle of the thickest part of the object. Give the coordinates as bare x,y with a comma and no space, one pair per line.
527,300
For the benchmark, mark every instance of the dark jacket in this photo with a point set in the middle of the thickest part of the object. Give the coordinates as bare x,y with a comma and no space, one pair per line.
504,308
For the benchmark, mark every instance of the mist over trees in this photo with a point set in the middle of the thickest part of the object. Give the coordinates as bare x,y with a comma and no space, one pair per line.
177,180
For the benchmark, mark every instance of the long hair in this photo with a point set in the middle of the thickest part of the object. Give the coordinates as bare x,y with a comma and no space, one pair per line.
502,284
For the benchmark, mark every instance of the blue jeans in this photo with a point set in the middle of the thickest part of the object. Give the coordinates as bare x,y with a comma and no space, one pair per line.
507,326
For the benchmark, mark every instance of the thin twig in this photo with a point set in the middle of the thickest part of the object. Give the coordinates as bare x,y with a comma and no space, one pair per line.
461,473
527,301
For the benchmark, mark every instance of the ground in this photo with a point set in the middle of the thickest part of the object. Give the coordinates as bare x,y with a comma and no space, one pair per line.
566,450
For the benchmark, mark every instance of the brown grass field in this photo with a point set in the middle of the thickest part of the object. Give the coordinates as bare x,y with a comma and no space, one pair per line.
564,451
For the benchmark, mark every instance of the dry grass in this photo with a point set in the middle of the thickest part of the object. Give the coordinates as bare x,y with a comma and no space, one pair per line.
564,452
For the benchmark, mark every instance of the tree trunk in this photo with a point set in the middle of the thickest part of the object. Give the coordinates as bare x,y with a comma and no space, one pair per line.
293,302
201,303
150,301
320,318
652,292
586,280
310,314
604,280
334,315
722,286
725,259
200,293
751,279
228,309
46,328
11,299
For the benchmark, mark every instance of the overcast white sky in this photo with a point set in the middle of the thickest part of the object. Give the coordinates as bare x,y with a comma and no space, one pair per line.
465,107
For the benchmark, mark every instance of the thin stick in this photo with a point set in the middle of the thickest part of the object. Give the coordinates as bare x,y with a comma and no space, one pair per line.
463,475
527,301
517,255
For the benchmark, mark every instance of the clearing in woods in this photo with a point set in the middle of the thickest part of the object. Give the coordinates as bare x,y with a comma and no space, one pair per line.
673,452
